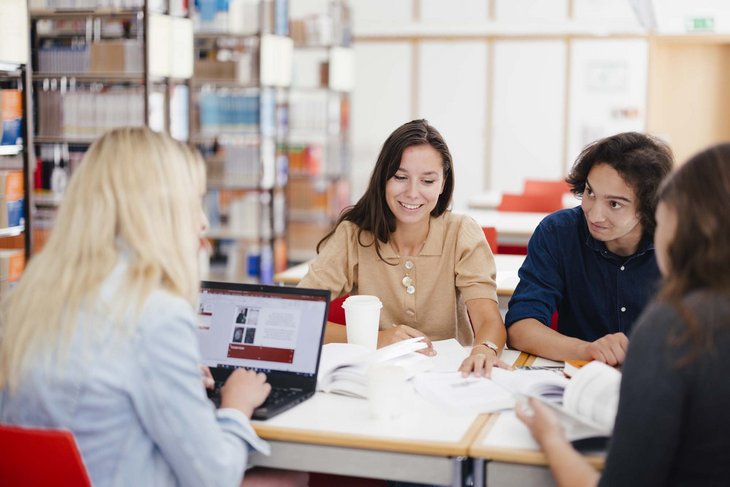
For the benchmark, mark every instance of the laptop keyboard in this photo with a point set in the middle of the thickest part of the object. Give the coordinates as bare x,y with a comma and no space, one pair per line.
275,398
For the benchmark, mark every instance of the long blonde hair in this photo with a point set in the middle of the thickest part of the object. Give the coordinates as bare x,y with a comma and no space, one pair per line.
134,189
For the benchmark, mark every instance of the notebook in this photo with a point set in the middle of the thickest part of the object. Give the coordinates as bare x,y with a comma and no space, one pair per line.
271,329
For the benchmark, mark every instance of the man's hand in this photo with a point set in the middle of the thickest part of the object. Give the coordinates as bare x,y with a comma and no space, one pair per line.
610,349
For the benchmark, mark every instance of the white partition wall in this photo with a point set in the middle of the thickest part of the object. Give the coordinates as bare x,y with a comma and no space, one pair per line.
451,95
528,121
381,101
608,83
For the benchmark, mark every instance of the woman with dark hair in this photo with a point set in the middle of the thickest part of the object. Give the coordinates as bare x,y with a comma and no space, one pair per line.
431,268
672,426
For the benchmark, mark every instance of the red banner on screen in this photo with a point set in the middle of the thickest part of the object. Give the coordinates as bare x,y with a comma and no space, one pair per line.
283,355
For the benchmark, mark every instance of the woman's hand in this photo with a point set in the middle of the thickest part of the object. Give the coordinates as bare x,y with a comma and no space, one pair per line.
244,390
208,381
542,422
397,333
480,362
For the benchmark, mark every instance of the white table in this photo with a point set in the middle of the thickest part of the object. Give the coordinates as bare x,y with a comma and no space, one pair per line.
505,454
335,434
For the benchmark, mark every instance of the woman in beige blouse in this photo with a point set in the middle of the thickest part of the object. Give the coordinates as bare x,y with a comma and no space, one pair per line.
432,269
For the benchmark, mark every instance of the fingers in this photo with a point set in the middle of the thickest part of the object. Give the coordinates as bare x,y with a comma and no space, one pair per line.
208,381
610,349
404,332
479,364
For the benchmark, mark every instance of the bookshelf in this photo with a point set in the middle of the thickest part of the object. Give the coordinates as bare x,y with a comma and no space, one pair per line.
318,143
239,115
99,64
15,143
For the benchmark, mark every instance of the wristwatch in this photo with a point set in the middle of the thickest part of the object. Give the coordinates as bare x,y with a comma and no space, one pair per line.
490,345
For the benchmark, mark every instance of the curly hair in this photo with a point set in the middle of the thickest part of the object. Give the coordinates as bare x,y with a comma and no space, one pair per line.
642,161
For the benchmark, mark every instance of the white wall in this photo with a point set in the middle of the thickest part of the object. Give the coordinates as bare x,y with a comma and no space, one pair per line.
453,99
381,101
517,87
529,97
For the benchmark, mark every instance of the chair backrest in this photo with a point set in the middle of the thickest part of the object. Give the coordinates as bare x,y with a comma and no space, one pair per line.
491,234
38,458
540,186
336,313
537,203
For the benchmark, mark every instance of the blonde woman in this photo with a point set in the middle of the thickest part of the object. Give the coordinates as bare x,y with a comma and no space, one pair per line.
99,335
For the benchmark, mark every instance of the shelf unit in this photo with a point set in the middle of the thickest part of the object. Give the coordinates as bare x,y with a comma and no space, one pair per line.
15,242
15,143
319,140
96,68
239,108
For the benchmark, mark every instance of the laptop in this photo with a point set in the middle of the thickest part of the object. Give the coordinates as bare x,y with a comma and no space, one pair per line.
270,329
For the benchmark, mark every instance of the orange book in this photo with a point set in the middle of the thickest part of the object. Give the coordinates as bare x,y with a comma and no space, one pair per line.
11,107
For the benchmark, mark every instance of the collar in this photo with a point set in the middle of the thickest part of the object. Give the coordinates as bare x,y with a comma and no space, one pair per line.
434,240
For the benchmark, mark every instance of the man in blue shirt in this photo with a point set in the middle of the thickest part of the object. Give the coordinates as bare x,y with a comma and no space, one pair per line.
593,264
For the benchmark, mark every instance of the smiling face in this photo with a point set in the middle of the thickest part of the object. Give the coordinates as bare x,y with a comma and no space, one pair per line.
610,208
414,190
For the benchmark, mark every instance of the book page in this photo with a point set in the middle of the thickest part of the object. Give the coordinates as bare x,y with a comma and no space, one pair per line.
459,394
545,384
593,393
343,366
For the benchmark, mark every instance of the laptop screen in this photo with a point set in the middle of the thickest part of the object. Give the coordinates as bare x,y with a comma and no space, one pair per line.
267,328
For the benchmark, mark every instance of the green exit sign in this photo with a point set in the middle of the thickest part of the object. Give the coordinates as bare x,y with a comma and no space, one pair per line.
700,24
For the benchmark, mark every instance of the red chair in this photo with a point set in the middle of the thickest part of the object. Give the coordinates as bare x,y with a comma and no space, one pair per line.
540,186
536,203
491,235
38,458
336,312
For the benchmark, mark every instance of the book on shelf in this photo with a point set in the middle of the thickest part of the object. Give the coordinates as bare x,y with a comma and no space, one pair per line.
11,116
343,367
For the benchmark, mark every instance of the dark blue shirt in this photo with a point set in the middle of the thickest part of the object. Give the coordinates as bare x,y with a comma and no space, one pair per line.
594,291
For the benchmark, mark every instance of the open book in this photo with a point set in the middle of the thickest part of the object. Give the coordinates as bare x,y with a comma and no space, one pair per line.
343,367
586,404
590,402
480,395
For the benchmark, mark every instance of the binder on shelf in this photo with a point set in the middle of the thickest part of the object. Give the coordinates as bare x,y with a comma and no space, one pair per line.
11,114
12,194
14,36
158,46
276,60
342,69
181,57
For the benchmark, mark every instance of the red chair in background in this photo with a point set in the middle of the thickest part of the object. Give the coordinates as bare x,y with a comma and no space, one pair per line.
39,458
540,186
491,235
535,203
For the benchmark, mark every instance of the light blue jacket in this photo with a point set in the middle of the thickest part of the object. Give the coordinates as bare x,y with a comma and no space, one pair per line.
135,401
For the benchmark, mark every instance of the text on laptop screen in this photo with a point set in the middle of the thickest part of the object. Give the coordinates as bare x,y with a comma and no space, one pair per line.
260,330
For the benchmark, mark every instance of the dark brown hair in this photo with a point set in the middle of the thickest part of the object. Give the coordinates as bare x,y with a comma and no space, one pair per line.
699,254
371,213
642,161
